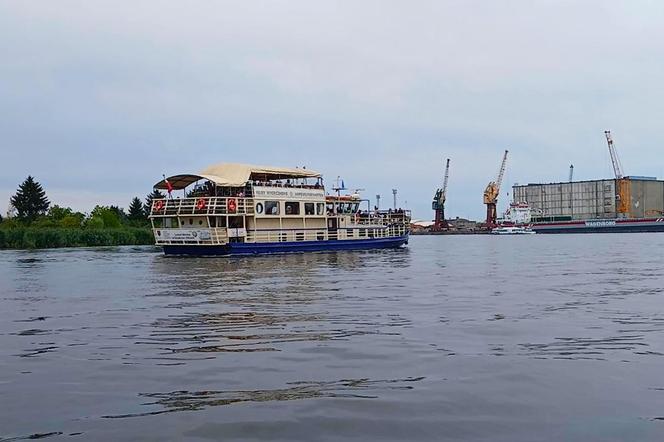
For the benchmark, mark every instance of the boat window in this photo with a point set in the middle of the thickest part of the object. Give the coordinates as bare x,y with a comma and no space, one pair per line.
235,222
356,207
259,208
272,207
292,208
320,207
309,209
330,208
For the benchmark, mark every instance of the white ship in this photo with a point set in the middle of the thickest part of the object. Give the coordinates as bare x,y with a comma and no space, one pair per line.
232,209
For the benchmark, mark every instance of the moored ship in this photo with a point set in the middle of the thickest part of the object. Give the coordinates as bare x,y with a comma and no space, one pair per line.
628,204
230,209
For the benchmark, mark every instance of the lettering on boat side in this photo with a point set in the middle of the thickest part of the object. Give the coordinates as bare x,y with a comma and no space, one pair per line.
288,193
184,234
603,223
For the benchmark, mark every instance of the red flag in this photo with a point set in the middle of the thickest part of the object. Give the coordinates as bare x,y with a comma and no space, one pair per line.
169,186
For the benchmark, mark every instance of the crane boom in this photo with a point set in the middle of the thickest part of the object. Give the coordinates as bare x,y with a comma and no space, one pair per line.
617,167
501,172
447,176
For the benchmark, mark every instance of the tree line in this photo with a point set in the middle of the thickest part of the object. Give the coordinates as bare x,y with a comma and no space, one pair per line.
31,207
33,222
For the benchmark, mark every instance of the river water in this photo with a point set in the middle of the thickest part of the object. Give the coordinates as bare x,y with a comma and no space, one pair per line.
477,338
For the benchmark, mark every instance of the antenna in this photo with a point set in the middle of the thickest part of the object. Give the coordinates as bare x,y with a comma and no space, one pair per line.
394,195
571,173
378,202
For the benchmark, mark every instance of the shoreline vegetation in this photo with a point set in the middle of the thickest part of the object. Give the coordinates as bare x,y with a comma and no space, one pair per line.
57,237
32,222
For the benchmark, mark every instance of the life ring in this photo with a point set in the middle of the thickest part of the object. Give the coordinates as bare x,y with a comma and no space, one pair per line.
232,205
158,205
200,204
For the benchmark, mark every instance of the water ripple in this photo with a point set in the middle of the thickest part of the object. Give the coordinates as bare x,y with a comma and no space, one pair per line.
175,401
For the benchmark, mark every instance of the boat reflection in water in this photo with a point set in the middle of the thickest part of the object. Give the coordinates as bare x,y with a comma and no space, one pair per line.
255,303
264,305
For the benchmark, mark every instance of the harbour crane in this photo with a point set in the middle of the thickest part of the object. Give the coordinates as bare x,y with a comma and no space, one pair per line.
623,194
438,204
491,194
571,173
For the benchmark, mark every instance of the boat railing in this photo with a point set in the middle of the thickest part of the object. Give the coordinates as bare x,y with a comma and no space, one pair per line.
286,185
202,206
383,218
342,233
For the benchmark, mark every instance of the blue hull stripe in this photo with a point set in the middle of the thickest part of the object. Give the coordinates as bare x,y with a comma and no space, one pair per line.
244,248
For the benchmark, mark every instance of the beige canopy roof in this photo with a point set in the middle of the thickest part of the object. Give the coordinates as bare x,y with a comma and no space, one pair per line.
237,175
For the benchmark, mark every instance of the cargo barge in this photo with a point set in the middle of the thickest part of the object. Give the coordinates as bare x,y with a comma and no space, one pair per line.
629,204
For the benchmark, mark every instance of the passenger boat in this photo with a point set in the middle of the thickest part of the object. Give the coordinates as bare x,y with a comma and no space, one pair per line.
230,209
513,230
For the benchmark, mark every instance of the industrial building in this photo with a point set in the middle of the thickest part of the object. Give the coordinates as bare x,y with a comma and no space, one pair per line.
625,198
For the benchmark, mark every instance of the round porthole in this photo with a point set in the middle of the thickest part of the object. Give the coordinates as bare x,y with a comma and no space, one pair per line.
259,208
200,223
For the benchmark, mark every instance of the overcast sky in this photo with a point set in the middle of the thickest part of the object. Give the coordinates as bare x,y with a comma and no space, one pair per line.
98,99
